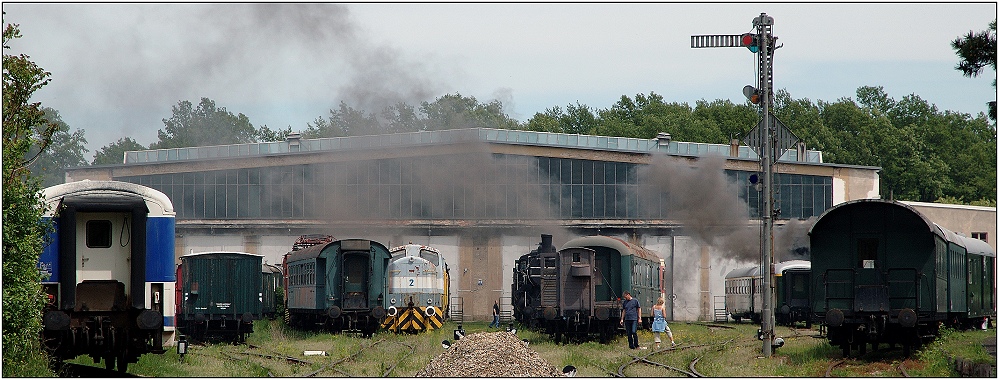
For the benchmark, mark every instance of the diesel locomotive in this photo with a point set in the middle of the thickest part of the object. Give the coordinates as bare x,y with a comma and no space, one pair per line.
882,272
107,271
418,289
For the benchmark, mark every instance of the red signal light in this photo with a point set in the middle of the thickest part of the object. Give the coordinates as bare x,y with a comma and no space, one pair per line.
751,41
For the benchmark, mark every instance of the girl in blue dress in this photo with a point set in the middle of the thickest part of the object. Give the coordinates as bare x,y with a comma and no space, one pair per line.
659,323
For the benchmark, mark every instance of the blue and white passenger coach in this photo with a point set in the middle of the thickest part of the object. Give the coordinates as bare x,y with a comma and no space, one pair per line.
108,270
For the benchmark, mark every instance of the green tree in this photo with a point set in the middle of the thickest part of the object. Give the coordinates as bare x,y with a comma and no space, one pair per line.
265,134
456,111
729,119
402,117
22,211
114,153
577,118
64,150
977,51
204,125
647,115
344,121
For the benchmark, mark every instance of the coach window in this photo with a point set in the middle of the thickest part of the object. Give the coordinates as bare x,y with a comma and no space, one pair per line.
867,252
98,234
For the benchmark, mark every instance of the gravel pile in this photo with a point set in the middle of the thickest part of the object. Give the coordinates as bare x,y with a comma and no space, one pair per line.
492,354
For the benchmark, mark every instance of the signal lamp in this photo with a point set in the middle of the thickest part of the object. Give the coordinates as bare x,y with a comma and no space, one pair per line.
751,41
752,94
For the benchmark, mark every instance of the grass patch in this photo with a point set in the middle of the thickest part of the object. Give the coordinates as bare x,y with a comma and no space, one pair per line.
723,352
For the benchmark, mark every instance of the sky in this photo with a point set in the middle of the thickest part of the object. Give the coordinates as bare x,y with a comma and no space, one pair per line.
118,69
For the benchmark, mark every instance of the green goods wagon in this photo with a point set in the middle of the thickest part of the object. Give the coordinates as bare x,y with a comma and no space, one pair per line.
220,295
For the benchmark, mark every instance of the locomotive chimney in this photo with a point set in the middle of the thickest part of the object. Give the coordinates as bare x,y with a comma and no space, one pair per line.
546,244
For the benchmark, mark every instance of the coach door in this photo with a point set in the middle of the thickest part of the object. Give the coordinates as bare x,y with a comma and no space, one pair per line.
356,269
103,246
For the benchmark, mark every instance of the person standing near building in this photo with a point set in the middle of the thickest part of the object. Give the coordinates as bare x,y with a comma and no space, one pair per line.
631,313
659,323
496,311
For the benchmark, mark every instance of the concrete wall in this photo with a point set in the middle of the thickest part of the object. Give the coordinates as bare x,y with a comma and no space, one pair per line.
964,220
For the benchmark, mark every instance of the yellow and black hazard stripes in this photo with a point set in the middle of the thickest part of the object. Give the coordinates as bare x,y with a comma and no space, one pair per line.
414,320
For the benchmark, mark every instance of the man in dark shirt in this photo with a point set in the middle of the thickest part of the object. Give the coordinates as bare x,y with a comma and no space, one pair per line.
631,313
496,312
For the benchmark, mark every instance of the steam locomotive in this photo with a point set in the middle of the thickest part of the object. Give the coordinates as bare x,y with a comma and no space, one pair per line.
574,294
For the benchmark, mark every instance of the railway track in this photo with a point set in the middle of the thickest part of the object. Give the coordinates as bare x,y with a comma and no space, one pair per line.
691,370
333,366
900,367
645,359
276,364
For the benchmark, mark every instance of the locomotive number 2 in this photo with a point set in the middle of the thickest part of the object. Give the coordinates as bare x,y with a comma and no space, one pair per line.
411,282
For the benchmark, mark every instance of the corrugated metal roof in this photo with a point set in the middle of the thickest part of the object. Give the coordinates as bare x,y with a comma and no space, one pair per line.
498,136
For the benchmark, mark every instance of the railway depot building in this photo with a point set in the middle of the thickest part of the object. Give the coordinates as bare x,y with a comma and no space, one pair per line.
483,197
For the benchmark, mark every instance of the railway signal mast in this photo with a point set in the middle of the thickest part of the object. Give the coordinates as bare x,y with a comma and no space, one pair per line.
763,138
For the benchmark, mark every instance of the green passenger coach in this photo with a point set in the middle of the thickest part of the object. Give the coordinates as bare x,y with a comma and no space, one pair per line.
882,272
338,286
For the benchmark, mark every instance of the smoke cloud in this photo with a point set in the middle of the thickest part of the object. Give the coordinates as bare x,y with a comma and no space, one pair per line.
698,195
468,185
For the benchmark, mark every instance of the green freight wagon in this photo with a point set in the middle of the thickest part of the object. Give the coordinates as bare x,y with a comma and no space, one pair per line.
219,295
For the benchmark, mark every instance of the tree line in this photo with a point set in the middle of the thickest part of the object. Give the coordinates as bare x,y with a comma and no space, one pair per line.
926,155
